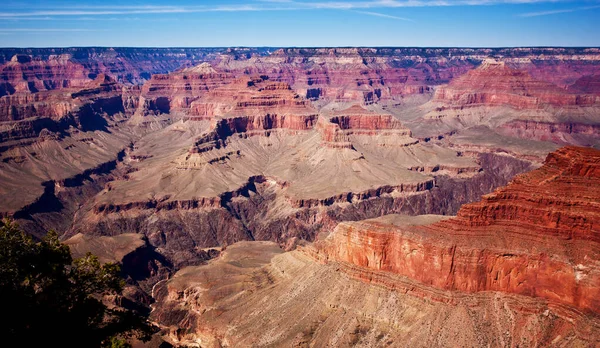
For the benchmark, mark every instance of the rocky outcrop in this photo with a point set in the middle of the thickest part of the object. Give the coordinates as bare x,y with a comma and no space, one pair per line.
560,133
304,303
263,209
179,90
27,105
495,84
246,126
537,237
341,127
26,114
26,74
567,208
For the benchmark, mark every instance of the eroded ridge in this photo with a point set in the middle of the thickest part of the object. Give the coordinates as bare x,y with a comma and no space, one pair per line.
537,237
494,83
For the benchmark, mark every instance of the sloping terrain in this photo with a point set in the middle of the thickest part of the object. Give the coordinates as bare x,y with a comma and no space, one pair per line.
157,158
521,267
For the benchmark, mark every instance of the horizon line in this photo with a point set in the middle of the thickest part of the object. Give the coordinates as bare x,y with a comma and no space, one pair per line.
294,47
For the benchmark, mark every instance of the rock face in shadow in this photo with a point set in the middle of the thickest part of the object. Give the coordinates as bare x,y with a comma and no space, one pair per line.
262,210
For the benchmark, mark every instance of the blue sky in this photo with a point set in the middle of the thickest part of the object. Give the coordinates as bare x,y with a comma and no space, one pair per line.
162,23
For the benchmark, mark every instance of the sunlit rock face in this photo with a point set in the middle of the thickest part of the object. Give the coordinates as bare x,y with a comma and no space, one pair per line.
539,236
520,266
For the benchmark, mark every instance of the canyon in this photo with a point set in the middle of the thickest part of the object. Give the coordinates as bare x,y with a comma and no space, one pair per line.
214,173
520,267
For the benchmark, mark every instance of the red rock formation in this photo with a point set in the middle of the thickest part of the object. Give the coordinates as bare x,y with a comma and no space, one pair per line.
177,91
337,128
561,133
560,198
539,237
20,106
332,135
250,106
28,113
494,83
352,75
589,84
45,102
24,74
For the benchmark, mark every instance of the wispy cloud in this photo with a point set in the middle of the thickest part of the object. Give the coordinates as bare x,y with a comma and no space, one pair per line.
363,7
377,14
46,30
545,13
553,12
259,5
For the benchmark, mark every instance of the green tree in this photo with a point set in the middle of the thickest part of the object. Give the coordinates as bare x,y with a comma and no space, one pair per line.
49,299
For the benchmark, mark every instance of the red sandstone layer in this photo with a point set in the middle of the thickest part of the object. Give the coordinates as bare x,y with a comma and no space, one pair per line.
337,128
539,237
494,84
177,91
551,131
24,74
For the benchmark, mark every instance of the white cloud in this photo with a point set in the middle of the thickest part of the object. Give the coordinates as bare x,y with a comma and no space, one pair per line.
45,30
377,14
552,12
269,5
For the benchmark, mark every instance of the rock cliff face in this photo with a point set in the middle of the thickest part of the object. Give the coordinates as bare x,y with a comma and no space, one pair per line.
126,65
516,101
456,264
519,267
25,74
567,208
539,236
25,115
305,303
494,83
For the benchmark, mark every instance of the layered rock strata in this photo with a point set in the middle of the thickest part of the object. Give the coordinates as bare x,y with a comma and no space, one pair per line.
521,267
494,83
512,102
537,237
270,143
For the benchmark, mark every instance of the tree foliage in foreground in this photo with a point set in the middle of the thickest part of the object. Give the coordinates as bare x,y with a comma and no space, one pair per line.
49,299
